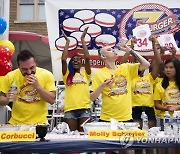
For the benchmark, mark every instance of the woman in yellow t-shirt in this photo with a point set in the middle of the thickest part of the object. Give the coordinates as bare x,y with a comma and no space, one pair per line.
77,102
114,83
161,71
167,92
142,90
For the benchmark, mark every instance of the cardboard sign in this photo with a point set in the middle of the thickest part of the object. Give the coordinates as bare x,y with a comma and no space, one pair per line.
17,136
116,134
142,34
167,40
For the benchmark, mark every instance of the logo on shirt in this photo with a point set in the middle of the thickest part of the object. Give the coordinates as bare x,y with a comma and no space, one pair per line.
172,96
142,87
78,79
119,87
28,94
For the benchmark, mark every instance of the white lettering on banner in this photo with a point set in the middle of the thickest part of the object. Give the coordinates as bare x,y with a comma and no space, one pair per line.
161,25
94,62
153,140
97,63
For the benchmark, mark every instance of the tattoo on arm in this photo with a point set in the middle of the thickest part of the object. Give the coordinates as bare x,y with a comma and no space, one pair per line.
134,54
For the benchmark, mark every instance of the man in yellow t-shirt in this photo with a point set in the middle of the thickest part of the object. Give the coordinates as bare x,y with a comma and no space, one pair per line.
35,87
114,83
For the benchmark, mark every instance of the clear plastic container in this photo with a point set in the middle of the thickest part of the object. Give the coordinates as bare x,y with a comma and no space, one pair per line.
167,123
144,118
13,89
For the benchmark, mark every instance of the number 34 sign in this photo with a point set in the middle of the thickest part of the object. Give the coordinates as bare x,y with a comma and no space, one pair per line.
142,34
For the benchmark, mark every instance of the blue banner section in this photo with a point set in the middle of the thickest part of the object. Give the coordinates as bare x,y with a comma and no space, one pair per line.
118,22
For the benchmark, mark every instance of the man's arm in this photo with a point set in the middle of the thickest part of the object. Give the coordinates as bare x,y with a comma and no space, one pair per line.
144,64
48,96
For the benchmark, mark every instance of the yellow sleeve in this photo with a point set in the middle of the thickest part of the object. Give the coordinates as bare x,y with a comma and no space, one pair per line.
151,79
1,82
133,69
65,76
95,82
157,92
88,76
50,82
7,82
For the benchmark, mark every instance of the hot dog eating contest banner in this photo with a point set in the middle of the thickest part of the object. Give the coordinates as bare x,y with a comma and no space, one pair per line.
108,22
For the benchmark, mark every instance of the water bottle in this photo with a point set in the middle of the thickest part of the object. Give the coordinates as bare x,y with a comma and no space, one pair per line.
144,118
167,123
13,89
174,124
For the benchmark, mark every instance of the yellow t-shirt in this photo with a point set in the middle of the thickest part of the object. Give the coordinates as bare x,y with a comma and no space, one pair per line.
142,91
157,80
1,82
170,95
116,100
29,107
77,95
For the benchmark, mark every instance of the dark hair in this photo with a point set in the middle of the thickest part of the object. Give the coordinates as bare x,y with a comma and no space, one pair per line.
72,72
99,53
24,55
165,81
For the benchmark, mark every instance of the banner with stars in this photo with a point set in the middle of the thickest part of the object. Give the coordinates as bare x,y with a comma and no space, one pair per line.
108,22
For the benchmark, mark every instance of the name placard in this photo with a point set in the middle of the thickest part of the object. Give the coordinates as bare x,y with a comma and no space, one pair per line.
17,136
116,134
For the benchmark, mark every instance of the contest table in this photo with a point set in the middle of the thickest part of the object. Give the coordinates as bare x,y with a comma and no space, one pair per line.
81,144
